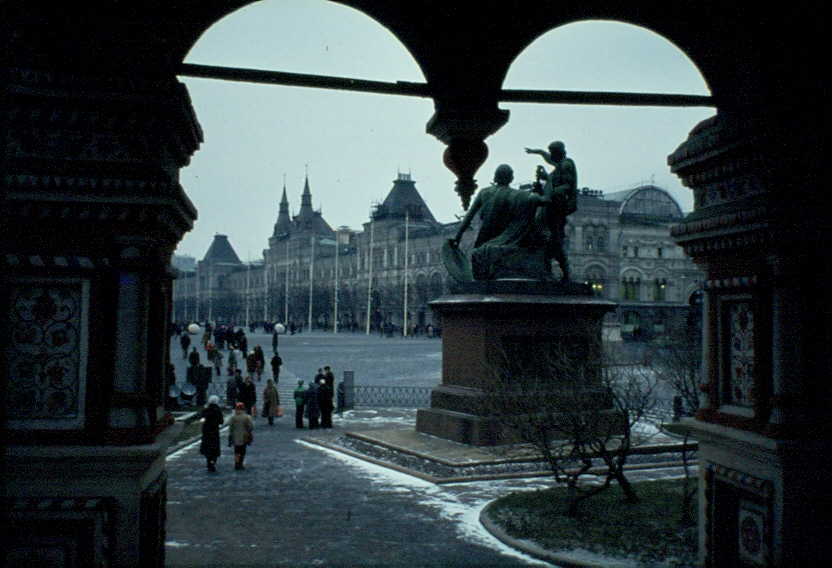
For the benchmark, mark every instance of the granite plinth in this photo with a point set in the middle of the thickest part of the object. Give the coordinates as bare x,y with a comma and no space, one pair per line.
487,326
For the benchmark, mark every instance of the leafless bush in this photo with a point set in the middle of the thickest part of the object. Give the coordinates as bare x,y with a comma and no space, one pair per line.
574,411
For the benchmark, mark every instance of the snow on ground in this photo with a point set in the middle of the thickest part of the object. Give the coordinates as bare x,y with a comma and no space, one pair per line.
461,507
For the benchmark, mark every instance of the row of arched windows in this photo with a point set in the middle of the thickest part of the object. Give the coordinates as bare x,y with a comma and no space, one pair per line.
631,289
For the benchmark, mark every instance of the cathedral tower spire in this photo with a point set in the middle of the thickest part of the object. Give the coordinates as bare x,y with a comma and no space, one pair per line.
284,222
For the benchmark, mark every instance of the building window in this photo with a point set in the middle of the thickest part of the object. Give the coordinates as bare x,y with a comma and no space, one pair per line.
624,251
660,290
630,289
635,252
659,253
595,279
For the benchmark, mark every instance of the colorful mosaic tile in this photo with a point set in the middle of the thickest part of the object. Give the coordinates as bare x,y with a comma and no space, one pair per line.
740,354
47,354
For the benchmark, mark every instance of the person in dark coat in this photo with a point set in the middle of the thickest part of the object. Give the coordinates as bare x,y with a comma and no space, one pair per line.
325,395
329,377
313,411
276,363
210,445
231,391
300,403
247,395
193,358
185,342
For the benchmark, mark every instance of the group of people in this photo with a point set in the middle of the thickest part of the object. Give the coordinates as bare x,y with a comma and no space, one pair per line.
242,394
316,402
240,433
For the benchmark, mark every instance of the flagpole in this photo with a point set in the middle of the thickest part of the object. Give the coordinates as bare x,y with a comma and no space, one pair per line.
211,292
286,299
335,314
311,275
370,279
406,260
248,292
265,288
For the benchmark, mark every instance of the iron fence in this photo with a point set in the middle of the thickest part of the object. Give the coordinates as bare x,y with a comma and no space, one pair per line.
391,396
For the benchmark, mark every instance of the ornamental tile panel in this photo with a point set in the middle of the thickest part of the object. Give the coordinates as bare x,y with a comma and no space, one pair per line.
47,354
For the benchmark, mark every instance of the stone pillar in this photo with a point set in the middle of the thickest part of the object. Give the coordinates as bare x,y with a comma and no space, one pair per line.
762,426
93,211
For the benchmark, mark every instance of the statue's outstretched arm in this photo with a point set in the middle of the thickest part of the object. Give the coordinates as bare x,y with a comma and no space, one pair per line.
547,157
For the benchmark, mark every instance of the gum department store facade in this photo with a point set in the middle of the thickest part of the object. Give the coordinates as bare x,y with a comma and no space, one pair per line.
619,243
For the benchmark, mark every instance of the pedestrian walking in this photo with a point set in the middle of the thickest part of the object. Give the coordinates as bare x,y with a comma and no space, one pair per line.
240,434
274,341
247,394
193,358
313,410
276,363
260,361
325,395
300,403
251,363
217,358
232,362
211,422
271,402
185,342
231,392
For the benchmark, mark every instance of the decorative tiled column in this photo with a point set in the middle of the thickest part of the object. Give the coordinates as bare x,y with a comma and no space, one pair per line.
762,424
93,211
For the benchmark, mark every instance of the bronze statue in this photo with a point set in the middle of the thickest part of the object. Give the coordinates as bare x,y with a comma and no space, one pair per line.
512,241
561,187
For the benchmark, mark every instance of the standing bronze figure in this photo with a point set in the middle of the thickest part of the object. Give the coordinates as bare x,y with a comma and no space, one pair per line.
561,188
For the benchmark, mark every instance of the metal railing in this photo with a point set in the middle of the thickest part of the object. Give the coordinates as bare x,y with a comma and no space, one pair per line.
391,396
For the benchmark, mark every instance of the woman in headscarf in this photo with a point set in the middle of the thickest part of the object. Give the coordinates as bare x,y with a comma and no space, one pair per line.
212,419
271,400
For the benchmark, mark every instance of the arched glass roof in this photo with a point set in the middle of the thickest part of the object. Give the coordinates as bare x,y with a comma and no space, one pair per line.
648,204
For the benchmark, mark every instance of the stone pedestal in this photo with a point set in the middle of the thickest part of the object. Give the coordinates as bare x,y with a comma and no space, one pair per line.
87,505
524,322
762,501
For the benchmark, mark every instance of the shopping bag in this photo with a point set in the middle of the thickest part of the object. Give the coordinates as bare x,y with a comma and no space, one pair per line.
279,411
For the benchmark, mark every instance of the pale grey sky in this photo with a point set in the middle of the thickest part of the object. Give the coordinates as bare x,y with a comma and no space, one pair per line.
354,144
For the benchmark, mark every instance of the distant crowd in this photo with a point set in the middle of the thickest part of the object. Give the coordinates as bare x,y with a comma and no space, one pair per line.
313,403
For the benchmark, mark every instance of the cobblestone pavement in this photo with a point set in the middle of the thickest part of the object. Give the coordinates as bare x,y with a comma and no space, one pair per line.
375,360
298,504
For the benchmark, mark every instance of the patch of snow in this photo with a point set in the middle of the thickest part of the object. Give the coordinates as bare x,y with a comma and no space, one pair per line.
446,502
